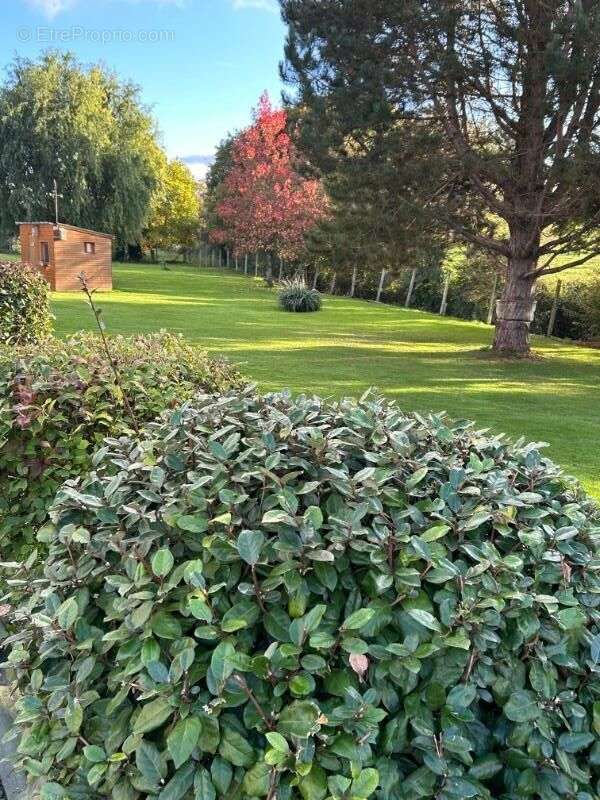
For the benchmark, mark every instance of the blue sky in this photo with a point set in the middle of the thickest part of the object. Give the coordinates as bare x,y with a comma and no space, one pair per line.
201,64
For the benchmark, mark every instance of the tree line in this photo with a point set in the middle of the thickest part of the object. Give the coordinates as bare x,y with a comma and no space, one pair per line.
431,124
89,131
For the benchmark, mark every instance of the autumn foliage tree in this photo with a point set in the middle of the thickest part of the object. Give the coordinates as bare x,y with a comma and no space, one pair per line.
266,205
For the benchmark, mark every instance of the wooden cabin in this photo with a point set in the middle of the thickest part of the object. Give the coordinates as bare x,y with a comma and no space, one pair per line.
62,252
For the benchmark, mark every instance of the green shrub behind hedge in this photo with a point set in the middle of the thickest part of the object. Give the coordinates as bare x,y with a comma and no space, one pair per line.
58,402
24,305
293,599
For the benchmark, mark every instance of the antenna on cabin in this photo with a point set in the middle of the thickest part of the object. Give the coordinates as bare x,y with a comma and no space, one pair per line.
56,197
56,200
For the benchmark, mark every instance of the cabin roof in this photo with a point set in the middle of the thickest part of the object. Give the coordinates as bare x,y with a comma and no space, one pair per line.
69,227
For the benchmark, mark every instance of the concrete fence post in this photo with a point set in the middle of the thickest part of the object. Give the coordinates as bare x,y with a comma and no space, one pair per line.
444,303
353,281
492,308
411,288
553,313
381,283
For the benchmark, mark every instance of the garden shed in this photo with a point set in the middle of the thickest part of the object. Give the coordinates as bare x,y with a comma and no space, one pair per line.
62,252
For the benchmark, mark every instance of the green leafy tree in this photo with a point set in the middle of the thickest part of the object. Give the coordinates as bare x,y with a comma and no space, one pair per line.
376,189
84,128
175,215
512,90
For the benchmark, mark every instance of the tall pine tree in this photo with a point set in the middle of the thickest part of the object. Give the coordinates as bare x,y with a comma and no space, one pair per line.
511,90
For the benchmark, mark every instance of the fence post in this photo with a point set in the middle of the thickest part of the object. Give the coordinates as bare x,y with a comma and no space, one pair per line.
269,271
332,284
444,304
411,288
256,266
491,309
552,321
353,282
280,268
381,282
315,278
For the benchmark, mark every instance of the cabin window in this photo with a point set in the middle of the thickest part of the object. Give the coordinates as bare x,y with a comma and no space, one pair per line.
89,247
45,253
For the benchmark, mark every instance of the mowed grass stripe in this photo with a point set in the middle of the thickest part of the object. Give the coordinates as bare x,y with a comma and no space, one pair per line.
424,361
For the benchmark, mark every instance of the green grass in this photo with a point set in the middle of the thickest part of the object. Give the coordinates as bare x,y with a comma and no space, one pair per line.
421,360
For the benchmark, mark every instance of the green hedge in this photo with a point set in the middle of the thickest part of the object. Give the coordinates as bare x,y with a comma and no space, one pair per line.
291,599
58,402
24,305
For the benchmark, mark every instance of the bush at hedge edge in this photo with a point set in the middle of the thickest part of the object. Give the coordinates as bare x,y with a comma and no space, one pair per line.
286,598
24,304
58,402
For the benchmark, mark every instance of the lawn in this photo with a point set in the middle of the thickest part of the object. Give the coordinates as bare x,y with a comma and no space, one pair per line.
421,360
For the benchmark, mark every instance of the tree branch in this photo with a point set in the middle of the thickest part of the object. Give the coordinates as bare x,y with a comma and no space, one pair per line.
576,262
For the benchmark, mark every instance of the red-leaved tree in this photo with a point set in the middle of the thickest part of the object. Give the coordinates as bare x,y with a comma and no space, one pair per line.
266,205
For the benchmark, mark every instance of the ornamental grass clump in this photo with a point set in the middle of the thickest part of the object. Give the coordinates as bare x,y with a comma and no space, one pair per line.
295,295
24,305
296,599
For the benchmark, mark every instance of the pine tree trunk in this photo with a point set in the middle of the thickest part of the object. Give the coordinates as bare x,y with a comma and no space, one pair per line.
516,309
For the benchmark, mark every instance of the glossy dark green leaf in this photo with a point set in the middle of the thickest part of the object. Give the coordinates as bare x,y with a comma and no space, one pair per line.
249,546
298,719
152,715
183,739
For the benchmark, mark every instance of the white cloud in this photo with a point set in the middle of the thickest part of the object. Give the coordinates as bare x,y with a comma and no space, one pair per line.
263,5
198,164
52,8
199,171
